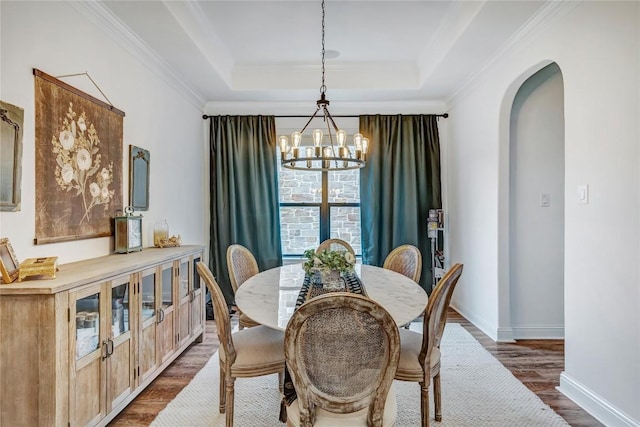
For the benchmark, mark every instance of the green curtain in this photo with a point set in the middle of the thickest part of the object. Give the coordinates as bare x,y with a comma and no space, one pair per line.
244,192
398,186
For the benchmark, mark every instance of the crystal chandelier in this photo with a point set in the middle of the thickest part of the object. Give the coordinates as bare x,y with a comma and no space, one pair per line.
337,155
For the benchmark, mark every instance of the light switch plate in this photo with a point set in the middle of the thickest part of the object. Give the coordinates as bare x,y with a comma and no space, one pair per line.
545,200
583,194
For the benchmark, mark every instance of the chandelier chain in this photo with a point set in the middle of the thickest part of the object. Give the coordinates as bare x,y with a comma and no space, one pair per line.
336,155
323,88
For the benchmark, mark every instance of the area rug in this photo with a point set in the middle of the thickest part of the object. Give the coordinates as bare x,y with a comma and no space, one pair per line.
477,391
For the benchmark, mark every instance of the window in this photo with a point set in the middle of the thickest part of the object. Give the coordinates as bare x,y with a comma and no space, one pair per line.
315,206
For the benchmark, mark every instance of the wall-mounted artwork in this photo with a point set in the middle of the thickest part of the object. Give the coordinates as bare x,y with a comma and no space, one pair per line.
139,162
78,162
11,122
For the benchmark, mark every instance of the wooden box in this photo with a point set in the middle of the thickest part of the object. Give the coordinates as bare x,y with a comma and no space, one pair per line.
45,267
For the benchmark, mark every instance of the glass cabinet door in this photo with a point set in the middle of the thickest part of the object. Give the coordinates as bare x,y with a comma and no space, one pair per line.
184,301
167,333
149,315
87,325
167,287
183,288
119,310
87,354
197,302
148,295
120,362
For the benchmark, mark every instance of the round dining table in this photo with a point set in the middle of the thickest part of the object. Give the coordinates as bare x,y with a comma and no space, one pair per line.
270,296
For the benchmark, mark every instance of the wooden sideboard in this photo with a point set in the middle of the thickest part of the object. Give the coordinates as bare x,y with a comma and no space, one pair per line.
76,349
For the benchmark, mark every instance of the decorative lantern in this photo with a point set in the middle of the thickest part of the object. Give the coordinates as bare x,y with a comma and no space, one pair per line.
128,232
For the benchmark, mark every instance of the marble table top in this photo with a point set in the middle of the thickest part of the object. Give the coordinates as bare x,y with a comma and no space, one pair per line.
270,296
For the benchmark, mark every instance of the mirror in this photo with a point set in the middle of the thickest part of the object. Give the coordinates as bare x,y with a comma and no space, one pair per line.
9,264
11,123
138,178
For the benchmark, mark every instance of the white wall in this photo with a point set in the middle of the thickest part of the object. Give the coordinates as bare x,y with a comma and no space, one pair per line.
596,45
536,232
58,39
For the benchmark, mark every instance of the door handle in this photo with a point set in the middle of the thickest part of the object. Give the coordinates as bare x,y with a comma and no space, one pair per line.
105,350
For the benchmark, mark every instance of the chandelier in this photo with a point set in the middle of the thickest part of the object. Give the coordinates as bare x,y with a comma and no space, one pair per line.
338,154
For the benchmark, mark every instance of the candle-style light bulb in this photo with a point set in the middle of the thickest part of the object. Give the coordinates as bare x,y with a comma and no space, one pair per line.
327,152
317,141
357,142
284,146
309,153
357,139
341,138
295,144
296,138
365,148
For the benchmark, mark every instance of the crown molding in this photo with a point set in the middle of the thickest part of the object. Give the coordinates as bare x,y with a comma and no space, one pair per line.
191,18
123,35
541,20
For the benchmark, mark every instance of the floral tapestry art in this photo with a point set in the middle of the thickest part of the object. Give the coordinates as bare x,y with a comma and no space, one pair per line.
78,163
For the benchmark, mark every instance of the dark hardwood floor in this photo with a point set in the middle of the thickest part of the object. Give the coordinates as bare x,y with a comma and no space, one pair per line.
536,363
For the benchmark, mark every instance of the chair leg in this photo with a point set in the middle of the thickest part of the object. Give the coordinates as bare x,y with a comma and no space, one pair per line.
424,404
222,393
437,397
281,381
230,398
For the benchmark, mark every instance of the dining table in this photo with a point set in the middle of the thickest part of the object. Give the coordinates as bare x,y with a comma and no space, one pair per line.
271,296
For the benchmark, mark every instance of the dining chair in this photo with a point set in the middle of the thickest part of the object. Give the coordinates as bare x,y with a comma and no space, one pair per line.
406,260
247,353
420,353
342,350
241,265
335,244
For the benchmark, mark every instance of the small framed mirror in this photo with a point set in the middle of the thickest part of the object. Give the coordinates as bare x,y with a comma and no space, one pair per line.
11,123
9,264
139,163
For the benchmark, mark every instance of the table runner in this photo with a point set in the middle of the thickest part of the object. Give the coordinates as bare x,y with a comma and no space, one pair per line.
310,289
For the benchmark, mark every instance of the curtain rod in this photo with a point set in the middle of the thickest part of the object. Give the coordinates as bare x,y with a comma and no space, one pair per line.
205,117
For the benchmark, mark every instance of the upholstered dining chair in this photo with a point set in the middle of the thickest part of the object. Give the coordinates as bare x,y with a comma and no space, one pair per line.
335,244
341,351
406,260
241,265
251,352
420,353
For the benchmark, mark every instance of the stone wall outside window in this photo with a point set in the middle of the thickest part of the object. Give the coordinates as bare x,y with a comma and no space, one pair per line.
300,225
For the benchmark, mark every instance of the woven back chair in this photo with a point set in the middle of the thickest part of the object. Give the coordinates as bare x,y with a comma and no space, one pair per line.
342,350
251,352
406,260
335,245
420,353
241,265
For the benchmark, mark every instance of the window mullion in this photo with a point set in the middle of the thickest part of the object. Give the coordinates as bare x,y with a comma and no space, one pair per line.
325,226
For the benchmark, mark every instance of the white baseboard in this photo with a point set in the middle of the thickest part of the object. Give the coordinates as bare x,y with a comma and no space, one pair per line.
599,408
538,332
477,322
505,335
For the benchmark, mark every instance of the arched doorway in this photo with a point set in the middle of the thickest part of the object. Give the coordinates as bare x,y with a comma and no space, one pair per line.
536,207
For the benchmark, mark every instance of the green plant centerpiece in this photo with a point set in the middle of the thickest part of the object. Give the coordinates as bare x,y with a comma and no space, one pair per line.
327,260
